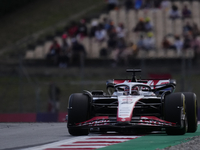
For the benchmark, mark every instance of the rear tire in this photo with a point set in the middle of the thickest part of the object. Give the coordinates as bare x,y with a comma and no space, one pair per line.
78,111
173,113
191,111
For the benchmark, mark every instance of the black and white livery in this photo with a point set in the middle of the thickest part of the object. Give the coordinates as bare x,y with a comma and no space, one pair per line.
133,105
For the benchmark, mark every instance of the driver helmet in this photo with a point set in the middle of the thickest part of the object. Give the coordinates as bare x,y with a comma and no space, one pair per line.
134,90
126,90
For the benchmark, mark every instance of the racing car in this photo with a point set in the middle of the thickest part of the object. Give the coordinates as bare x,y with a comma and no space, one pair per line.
132,105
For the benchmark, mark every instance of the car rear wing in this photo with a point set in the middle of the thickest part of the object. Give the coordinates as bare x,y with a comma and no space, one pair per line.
153,83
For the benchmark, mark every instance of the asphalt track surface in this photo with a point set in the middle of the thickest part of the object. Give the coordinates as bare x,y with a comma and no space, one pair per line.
23,135
53,136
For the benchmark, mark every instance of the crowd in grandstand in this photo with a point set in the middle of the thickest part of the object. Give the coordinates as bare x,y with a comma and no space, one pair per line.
190,32
71,48
116,35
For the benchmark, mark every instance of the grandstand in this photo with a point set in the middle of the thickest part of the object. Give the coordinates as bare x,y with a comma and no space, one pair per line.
163,26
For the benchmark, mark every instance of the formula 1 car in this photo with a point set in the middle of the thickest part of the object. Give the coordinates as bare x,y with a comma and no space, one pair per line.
133,105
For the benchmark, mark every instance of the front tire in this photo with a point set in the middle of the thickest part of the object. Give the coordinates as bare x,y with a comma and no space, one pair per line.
78,111
174,110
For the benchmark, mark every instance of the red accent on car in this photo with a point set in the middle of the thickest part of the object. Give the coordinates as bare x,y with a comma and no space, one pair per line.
120,81
96,121
153,82
154,121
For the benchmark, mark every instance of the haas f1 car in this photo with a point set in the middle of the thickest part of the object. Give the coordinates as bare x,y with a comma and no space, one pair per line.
133,105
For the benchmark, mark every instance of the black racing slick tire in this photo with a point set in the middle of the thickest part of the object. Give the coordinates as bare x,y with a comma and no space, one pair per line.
174,111
191,111
78,111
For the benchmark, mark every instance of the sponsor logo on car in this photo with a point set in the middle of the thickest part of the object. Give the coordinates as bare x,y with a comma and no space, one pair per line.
154,121
96,121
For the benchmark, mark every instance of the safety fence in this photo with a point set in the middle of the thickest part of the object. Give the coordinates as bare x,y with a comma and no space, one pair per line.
33,117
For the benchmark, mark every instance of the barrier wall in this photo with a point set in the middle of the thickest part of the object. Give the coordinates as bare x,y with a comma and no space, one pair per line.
40,117
33,117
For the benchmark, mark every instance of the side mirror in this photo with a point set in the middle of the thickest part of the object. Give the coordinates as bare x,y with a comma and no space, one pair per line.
110,88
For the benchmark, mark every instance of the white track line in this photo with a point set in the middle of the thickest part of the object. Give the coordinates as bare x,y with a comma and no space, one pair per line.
85,142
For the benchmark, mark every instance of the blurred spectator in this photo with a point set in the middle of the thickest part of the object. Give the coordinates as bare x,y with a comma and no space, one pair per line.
157,3
121,44
93,28
65,46
65,54
111,29
148,25
178,44
166,44
186,13
82,29
132,47
112,41
187,42
73,29
129,4
100,33
63,59
165,4
149,42
121,31
106,24
140,26
147,4
138,4
129,53
112,4
78,52
78,48
195,30
174,12
103,52
54,98
195,44
53,52
140,43
187,28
